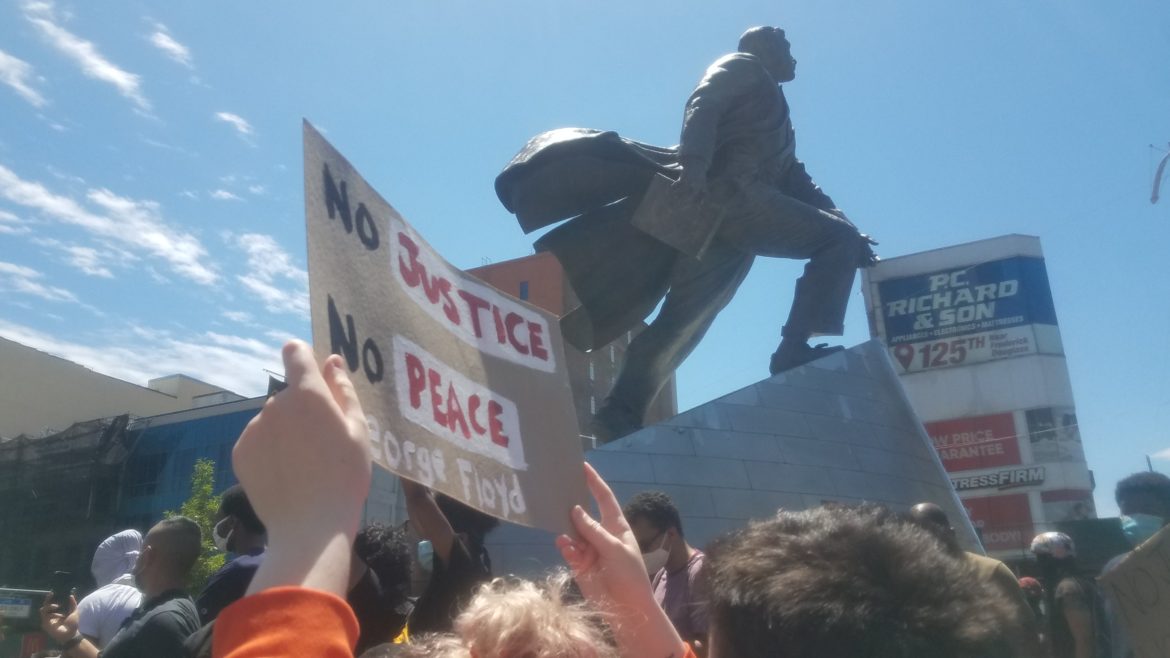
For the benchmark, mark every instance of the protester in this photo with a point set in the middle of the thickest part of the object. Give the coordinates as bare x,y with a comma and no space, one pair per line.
1033,591
826,582
167,614
934,520
240,532
460,561
380,605
1144,502
674,566
1076,616
101,613
315,429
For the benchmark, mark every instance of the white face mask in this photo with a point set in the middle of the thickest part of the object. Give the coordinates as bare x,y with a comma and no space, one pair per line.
220,539
656,559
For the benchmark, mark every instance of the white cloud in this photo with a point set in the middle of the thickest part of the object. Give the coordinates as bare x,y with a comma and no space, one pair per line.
236,121
223,195
258,190
12,225
161,38
242,317
272,277
85,54
137,225
17,73
26,280
87,259
1162,454
140,354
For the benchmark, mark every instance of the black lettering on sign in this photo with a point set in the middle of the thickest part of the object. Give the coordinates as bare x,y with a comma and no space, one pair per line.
343,340
337,203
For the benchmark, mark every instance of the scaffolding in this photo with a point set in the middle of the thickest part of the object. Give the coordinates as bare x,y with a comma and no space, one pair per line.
58,500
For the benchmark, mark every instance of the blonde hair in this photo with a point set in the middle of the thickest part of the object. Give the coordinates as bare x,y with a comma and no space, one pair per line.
510,618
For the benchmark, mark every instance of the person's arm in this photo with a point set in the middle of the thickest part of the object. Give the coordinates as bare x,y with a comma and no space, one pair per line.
427,519
1079,617
608,568
286,621
84,618
313,431
62,629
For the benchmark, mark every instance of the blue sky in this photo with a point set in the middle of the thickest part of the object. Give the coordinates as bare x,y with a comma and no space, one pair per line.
151,216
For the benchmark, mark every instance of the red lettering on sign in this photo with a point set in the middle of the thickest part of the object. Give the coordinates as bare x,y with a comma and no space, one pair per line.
475,304
472,408
416,375
511,321
515,332
495,409
534,334
448,411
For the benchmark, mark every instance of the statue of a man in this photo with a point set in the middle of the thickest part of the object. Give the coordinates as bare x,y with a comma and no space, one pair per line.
736,168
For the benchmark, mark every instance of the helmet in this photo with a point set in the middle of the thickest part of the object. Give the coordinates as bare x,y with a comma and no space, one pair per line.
1056,544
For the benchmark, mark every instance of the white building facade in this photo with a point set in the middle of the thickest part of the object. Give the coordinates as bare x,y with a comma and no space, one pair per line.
973,332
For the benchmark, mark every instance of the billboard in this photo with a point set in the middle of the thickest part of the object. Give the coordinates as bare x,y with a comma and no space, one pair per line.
966,444
1004,522
966,315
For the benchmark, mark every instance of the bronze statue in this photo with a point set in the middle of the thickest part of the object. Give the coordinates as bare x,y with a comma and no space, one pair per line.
687,222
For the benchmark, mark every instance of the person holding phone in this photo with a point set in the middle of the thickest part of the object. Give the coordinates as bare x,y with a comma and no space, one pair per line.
167,614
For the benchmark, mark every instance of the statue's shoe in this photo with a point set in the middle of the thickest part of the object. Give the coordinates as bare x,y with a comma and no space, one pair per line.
792,354
613,421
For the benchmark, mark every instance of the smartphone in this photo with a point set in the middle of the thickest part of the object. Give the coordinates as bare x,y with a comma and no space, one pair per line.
62,587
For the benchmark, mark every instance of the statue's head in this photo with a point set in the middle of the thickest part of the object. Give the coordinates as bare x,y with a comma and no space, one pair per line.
772,47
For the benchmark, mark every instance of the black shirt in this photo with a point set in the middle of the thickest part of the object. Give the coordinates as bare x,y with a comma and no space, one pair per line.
450,588
157,628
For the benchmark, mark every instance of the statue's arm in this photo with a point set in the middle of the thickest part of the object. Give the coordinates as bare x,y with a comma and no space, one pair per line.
724,84
799,185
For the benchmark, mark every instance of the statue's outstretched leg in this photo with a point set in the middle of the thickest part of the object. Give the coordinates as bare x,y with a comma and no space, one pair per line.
699,290
767,222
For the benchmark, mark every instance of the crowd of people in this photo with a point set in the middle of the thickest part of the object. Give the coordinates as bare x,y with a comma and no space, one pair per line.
307,580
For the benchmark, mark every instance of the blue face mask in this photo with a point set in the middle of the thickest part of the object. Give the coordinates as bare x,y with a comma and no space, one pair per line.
1140,527
426,555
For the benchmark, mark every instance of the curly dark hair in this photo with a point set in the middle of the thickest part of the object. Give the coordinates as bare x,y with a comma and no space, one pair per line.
1152,484
386,552
849,581
656,508
234,501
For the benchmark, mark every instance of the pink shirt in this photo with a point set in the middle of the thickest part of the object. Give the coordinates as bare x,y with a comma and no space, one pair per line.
682,597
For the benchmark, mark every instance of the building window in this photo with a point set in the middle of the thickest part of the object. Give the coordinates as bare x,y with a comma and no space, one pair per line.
592,404
612,354
592,374
524,290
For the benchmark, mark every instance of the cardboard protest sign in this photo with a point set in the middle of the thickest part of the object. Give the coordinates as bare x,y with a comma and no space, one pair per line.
464,387
1140,590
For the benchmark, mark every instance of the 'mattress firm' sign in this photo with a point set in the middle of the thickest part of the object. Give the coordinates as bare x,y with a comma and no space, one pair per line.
1014,478
967,444
966,315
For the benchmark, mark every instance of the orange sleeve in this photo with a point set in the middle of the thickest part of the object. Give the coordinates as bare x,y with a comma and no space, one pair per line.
286,621
690,651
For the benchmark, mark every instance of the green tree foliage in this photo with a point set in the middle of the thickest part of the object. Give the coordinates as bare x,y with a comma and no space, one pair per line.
202,506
